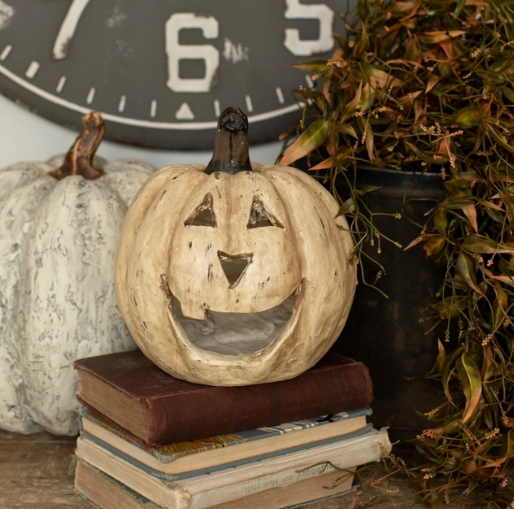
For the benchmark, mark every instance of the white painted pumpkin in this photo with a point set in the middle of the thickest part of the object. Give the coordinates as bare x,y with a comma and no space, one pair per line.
239,245
57,246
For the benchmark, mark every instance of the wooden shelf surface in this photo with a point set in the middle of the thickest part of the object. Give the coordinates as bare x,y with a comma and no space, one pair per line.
36,472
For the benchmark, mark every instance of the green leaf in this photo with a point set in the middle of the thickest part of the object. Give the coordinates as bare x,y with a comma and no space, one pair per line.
440,361
471,382
460,6
348,129
484,245
367,189
442,159
314,66
508,93
501,140
367,98
310,140
441,220
466,268
507,450
370,143
352,106
434,245
469,117
346,208
451,307
500,307
489,368
447,376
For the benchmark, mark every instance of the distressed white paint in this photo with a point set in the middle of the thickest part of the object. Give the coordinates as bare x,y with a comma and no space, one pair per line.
60,85
305,252
234,52
32,69
91,95
6,14
176,52
6,52
325,17
184,112
57,302
280,95
217,108
249,104
67,29
122,103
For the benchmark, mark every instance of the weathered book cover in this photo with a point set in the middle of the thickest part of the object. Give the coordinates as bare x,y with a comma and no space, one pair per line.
129,390
237,483
161,472
106,492
254,442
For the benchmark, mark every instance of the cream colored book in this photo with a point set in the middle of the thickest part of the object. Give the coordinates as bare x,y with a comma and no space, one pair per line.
202,456
106,493
223,486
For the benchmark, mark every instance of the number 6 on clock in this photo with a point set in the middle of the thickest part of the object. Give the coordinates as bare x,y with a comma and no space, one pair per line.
176,51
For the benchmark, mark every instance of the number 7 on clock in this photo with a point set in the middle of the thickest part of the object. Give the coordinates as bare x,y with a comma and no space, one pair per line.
67,30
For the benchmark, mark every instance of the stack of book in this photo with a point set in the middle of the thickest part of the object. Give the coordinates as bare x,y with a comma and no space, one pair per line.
143,441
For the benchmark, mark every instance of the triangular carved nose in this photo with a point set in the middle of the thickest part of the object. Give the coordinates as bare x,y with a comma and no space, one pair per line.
234,266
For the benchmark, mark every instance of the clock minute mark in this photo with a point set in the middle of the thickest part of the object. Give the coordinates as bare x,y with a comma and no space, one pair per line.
91,95
217,108
32,69
309,81
123,102
61,84
5,52
153,108
184,113
249,105
280,95
191,126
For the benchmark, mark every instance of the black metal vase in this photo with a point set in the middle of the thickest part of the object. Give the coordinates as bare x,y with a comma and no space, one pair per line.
386,333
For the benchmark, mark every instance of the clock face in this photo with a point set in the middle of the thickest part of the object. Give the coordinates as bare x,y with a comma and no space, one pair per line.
160,72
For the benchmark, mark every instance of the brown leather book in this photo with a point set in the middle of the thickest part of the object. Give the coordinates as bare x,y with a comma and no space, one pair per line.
133,393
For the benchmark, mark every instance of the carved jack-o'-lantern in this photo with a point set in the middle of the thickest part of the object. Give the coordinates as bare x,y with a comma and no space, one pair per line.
234,273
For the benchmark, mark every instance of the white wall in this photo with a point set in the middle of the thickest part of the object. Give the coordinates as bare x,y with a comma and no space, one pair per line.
25,136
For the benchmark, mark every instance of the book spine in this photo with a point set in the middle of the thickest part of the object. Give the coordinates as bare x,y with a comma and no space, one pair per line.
365,452
188,416
208,490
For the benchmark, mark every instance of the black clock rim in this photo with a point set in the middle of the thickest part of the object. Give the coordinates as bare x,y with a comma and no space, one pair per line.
186,139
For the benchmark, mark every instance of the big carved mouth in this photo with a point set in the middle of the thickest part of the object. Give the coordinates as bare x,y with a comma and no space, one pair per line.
235,333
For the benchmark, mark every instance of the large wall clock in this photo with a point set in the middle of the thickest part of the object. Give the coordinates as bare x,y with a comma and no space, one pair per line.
160,71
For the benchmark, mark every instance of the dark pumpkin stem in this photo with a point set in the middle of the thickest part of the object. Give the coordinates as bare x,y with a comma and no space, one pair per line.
231,154
78,160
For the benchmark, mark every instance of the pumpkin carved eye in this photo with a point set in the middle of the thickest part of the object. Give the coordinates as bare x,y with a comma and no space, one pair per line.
203,215
260,217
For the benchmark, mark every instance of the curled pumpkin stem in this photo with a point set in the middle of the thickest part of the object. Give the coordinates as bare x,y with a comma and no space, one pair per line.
78,160
231,153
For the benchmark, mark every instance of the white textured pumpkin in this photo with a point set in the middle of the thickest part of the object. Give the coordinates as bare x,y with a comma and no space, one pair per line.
57,246
237,273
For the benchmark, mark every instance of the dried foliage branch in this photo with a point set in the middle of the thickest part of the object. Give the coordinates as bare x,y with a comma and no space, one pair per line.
428,86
